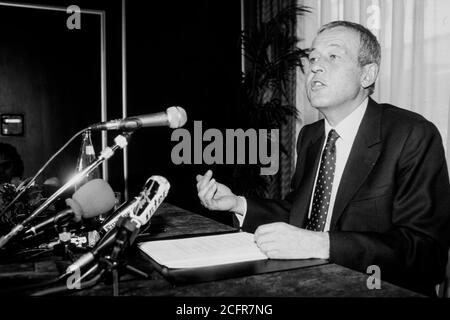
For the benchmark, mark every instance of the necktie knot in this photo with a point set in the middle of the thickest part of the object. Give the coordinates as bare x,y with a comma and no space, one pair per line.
332,137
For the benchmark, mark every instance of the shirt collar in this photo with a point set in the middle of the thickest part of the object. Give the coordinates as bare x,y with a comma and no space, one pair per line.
348,127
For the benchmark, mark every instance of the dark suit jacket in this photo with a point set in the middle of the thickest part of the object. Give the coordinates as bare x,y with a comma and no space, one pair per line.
392,207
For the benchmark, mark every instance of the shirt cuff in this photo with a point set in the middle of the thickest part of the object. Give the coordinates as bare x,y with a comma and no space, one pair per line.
242,211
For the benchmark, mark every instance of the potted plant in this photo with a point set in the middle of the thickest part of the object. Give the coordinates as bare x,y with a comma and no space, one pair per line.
271,60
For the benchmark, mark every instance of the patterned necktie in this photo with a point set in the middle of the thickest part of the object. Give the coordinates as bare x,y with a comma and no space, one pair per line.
324,183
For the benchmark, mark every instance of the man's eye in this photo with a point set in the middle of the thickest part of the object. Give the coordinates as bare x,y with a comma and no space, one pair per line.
312,59
333,56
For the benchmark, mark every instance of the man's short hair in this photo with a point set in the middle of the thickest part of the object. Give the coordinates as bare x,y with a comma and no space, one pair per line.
369,47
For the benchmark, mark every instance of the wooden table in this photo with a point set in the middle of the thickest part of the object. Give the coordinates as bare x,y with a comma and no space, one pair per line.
329,280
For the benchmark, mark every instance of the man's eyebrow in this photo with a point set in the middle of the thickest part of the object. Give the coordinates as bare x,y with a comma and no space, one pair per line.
335,45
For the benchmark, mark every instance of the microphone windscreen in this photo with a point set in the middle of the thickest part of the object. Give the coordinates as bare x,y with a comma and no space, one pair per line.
76,208
177,117
95,198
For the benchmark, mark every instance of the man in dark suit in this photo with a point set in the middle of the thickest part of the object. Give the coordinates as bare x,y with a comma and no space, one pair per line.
371,185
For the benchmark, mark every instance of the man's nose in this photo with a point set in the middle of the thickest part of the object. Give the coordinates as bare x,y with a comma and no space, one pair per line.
316,67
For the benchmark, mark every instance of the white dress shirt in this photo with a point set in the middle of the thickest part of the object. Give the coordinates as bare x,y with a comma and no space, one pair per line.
346,129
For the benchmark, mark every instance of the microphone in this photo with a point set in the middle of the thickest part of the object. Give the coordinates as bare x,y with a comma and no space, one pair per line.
124,210
174,117
154,192
93,198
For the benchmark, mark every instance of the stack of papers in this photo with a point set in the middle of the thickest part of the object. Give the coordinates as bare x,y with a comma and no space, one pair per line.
204,251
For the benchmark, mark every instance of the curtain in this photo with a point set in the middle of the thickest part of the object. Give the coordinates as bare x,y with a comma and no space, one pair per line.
415,53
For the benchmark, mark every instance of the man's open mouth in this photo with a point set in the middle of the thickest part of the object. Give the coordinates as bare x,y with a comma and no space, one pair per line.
316,85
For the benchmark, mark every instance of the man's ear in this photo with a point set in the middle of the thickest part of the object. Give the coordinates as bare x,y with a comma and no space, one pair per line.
369,74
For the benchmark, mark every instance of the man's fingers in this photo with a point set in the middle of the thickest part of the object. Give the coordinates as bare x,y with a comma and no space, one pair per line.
211,190
200,180
270,249
210,194
203,191
204,181
265,228
262,239
267,245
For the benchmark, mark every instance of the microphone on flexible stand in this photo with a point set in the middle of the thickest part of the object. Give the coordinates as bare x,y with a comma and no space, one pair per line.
174,117
123,211
154,192
93,199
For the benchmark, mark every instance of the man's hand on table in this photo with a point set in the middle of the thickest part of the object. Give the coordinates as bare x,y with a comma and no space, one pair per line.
280,240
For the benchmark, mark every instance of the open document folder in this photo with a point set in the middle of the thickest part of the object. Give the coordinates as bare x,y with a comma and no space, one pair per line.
204,251
214,257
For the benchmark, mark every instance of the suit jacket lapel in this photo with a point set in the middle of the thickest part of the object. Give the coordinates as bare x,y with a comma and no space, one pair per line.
300,207
362,158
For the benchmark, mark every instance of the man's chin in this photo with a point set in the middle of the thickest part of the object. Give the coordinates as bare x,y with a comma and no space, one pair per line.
319,104
318,100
